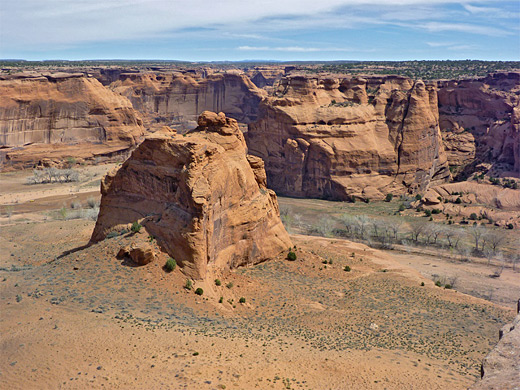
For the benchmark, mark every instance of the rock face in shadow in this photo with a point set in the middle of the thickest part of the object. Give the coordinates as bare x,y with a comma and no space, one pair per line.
200,195
55,112
350,137
177,99
501,367
480,122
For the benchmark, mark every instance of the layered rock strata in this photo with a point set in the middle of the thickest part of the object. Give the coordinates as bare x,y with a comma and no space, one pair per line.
480,123
200,195
349,137
177,98
44,115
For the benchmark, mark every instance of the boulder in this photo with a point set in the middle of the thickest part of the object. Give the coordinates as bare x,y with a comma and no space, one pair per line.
200,195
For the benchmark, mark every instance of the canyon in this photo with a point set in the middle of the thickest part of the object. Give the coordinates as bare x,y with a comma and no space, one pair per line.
326,136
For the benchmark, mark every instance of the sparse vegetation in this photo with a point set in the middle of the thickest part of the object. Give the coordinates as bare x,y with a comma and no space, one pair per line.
136,227
188,285
291,256
170,265
199,291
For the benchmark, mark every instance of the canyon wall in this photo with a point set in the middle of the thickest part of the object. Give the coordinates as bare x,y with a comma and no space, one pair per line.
351,137
480,123
44,115
177,98
200,195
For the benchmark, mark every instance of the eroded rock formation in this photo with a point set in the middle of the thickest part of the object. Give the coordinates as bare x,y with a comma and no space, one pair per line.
501,367
480,123
49,115
351,137
176,98
202,197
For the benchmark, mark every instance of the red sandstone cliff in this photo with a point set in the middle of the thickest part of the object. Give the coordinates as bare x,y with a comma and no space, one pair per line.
480,122
338,138
58,115
177,99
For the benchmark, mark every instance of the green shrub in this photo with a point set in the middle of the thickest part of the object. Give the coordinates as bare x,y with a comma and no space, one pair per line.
347,268
136,227
221,299
170,264
447,286
458,201
112,234
242,300
473,216
195,354
324,261
438,283
401,207
218,282
291,256
418,197
436,211
422,284
199,291
428,213
229,285
510,226
389,197
188,285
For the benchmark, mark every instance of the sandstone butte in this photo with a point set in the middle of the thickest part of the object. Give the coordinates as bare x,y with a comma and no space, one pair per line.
480,122
200,195
46,116
339,138
176,98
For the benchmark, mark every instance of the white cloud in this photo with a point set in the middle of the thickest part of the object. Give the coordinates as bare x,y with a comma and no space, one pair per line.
293,49
48,24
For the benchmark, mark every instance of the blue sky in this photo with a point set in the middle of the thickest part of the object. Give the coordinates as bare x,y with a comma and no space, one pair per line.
203,30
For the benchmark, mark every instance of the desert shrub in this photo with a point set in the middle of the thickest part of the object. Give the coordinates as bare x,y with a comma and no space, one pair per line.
422,284
438,283
112,234
221,299
92,203
418,197
436,211
188,285
347,268
291,256
401,207
330,261
428,213
389,197
136,227
170,264
218,282
75,205
199,291
447,286
325,262
195,354
242,300
229,285
458,201
510,226
473,216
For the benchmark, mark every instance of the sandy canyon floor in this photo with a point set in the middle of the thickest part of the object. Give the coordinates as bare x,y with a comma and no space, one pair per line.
76,317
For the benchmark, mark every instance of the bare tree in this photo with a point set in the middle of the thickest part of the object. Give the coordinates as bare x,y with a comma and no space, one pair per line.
362,224
495,240
417,230
433,231
477,232
453,236
395,228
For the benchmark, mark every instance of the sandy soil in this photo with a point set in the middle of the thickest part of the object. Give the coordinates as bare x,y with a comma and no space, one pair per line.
76,317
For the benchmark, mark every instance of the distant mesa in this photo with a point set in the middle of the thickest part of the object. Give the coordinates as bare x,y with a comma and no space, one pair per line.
200,195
